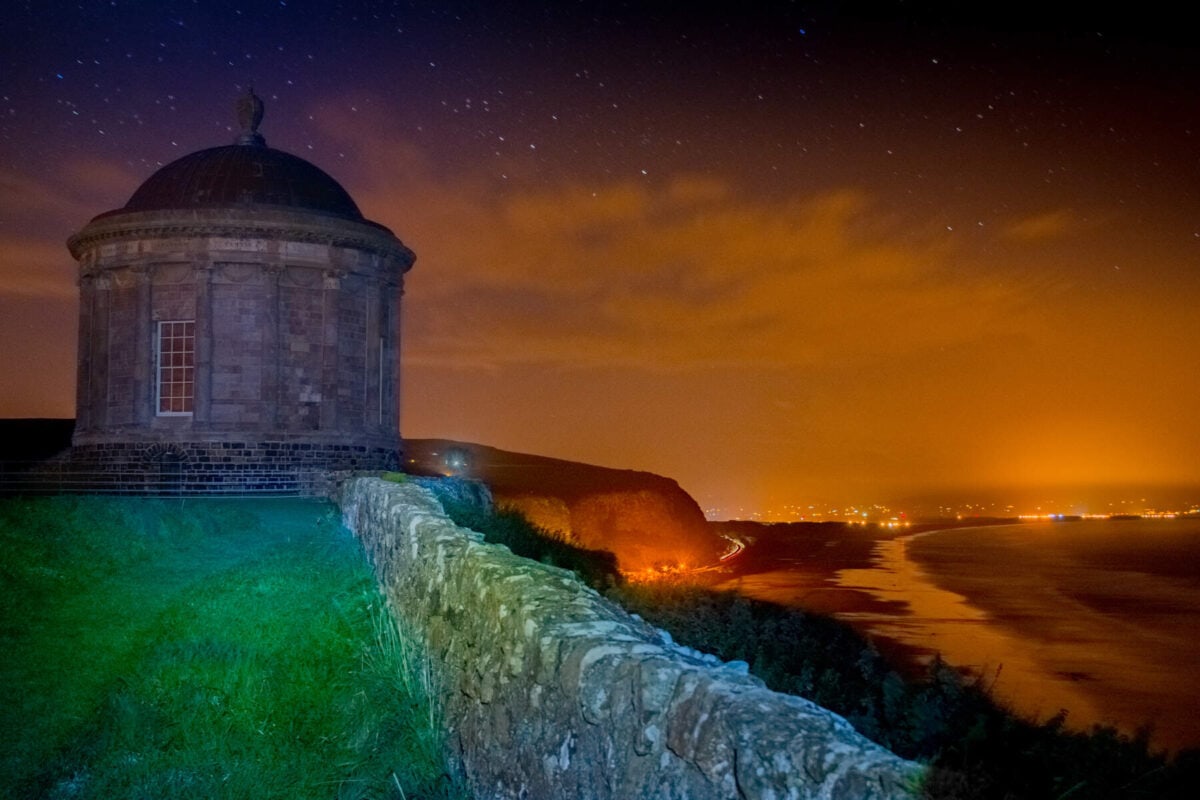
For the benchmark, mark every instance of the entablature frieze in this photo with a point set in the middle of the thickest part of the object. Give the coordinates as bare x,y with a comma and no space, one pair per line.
152,267
300,237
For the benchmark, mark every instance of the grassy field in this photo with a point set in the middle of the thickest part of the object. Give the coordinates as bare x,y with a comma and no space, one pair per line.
207,649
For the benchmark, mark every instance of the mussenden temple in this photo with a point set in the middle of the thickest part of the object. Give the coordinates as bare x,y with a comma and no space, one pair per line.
239,326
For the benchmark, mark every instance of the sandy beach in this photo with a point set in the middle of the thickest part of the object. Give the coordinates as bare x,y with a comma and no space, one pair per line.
1101,621
1101,618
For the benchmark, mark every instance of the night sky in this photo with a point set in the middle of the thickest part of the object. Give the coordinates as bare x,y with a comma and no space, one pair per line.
782,252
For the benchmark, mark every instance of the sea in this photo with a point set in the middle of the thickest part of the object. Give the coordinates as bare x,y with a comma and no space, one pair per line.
1097,618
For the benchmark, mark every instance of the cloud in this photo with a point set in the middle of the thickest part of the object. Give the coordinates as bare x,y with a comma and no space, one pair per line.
1040,227
38,214
98,185
34,268
25,194
684,274
73,193
688,272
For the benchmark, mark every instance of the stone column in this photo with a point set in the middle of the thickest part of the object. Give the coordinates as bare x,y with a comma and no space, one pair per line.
372,419
202,388
330,317
272,336
98,388
144,377
392,379
83,354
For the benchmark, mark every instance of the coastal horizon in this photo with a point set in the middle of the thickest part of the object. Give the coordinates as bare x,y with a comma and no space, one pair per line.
1052,634
851,345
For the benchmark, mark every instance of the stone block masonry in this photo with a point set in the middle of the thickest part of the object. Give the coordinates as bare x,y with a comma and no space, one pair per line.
206,468
550,691
239,331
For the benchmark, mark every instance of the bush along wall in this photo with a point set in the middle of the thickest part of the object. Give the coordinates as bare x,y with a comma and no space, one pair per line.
551,691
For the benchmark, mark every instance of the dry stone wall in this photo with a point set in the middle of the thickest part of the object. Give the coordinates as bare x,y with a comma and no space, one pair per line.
550,691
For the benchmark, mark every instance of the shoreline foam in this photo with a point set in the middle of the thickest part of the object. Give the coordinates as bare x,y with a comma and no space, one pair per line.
1110,612
1046,629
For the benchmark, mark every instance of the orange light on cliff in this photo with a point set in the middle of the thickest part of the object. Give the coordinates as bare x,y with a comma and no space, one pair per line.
662,571
669,570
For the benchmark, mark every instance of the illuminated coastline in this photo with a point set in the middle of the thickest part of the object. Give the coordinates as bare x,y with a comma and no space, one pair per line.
1099,616
894,516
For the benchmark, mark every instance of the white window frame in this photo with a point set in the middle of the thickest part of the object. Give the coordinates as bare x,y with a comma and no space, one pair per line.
186,378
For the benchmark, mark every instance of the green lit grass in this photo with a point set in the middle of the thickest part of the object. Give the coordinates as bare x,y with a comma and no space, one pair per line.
208,649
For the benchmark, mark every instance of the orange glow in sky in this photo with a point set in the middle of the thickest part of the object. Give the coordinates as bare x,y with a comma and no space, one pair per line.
780,256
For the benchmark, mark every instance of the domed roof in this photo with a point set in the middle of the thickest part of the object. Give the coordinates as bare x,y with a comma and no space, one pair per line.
243,174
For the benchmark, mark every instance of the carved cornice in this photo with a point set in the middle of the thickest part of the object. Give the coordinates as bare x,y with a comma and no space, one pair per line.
276,273
287,226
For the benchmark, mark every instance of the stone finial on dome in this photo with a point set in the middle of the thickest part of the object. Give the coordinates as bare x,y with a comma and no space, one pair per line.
249,109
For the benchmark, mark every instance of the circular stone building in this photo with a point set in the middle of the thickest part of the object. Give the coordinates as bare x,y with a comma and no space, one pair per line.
239,326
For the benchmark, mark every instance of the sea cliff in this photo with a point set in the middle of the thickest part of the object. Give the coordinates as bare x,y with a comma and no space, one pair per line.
647,521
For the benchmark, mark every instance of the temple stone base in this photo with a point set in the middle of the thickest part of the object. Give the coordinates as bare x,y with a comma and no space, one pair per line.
220,468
